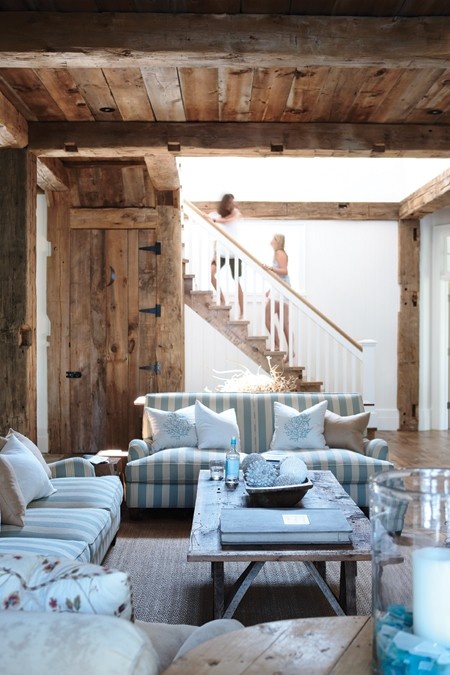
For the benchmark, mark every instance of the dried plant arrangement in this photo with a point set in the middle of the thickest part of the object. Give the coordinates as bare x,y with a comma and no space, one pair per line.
244,380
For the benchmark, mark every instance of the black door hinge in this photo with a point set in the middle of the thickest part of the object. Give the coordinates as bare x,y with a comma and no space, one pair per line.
73,374
156,310
152,367
156,248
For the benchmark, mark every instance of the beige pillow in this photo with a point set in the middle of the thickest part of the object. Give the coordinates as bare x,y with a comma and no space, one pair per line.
31,446
12,503
347,432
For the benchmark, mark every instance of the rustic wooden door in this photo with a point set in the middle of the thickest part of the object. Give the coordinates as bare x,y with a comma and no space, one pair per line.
112,334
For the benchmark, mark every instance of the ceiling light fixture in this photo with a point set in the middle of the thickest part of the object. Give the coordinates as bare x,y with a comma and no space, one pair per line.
107,109
435,111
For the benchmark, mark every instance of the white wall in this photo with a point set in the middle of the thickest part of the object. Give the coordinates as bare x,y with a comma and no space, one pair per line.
348,272
350,267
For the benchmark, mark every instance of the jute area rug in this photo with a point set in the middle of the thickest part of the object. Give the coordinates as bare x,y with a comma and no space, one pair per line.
168,589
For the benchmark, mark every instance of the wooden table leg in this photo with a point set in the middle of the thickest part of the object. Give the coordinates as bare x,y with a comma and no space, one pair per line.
218,580
241,586
347,587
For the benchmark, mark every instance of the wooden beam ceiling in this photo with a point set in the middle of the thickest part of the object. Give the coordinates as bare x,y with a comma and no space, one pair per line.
312,210
13,126
431,197
102,40
246,139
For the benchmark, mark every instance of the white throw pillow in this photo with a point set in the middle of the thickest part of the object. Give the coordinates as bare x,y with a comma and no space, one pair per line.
31,477
172,429
296,430
215,430
33,447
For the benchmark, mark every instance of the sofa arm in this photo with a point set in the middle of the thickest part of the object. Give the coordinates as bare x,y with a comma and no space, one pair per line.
70,467
137,449
376,448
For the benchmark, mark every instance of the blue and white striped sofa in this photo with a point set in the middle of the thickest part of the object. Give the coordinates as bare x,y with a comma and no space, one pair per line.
168,478
80,520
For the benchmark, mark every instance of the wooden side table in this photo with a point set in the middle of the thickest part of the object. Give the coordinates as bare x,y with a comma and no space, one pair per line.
328,645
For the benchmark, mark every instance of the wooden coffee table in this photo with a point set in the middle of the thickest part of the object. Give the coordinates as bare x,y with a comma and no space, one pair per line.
205,544
324,646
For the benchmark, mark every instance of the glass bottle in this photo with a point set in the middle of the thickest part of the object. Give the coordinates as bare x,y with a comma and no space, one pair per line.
232,464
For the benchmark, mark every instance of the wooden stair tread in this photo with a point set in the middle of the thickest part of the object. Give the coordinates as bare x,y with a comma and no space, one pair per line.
236,330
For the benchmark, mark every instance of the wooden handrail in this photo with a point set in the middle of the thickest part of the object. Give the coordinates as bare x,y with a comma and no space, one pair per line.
289,290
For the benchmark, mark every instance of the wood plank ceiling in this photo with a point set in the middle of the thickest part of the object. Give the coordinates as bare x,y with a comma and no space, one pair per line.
142,82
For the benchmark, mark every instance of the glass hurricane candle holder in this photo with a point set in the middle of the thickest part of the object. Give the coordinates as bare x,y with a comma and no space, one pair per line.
410,516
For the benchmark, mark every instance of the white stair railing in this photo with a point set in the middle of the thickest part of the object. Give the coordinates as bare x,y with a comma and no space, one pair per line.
314,342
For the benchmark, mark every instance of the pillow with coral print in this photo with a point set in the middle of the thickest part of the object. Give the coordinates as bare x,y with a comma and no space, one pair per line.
296,430
43,583
172,429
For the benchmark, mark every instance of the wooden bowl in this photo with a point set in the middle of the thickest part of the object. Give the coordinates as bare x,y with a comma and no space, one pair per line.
277,497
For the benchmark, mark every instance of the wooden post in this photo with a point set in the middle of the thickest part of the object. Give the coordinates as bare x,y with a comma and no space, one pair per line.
18,291
408,325
58,311
170,335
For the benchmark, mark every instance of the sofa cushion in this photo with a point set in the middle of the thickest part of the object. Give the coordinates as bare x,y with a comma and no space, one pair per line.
172,466
294,430
12,503
76,550
346,432
92,526
215,430
101,492
172,429
33,481
346,465
41,583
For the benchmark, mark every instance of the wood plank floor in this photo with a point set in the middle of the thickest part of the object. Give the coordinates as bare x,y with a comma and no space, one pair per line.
418,448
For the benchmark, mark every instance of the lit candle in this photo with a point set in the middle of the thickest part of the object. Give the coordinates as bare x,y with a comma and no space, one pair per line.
431,594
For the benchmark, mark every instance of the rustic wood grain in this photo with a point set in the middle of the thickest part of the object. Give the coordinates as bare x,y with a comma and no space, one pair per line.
312,210
58,310
205,542
18,284
169,295
408,325
83,40
247,139
326,645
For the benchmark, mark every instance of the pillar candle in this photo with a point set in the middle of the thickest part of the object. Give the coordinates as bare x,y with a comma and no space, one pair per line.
431,594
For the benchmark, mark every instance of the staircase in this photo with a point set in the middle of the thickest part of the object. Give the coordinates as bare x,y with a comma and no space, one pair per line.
333,360
254,346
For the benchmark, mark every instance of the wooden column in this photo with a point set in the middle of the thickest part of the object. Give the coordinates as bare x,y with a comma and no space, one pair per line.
408,325
18,291
58,280
170,335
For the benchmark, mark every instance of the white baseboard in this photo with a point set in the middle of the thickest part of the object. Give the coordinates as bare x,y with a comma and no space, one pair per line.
387,420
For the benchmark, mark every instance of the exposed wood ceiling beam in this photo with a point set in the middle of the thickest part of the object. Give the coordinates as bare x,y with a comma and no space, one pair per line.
312,210
82,40
163,171
136,139
431,197
51,174
13,126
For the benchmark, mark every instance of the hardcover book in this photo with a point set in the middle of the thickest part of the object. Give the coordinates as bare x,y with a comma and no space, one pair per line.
284,526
